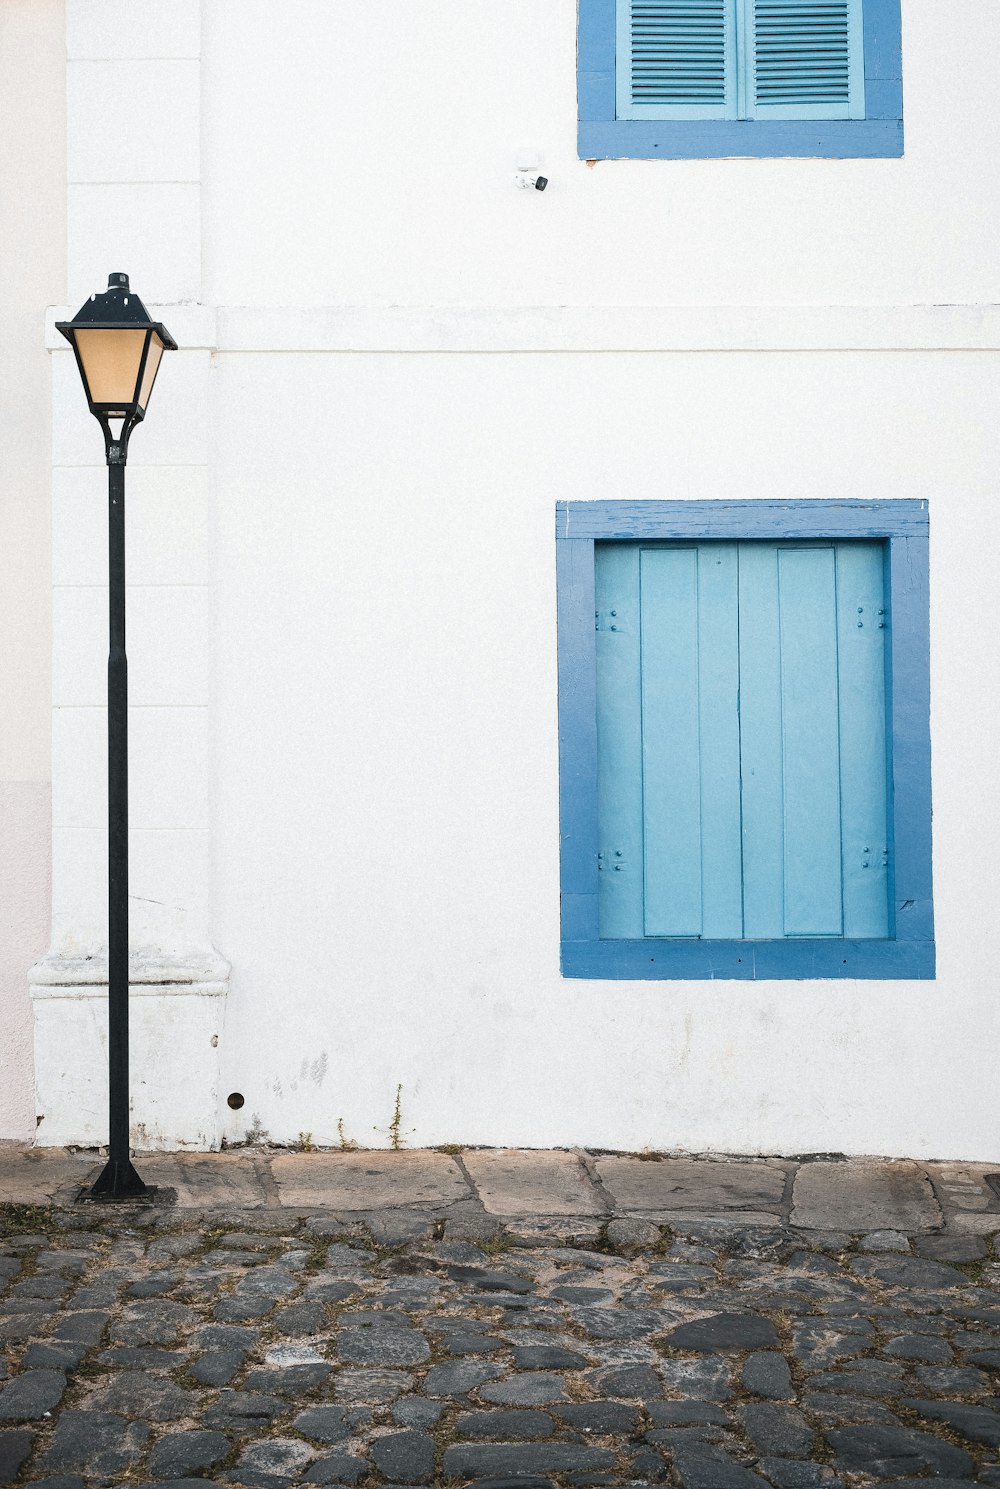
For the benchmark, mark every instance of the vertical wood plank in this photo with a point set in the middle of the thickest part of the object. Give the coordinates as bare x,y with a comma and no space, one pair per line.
619,741
909,686
810,738
861,622
577,740
668,584
760,743
719,731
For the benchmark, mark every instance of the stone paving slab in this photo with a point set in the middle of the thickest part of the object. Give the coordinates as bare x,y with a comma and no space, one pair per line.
864,1196
207,1180
39,1175
673,1184
528,1182
559,1196
368,1180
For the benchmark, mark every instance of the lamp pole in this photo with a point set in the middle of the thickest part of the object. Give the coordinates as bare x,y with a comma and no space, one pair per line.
119,1178
118,350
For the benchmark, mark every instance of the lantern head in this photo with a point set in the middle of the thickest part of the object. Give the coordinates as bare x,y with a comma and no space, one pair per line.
118,350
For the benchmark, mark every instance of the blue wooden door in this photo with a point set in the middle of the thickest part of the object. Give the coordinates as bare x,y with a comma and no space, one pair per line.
741,740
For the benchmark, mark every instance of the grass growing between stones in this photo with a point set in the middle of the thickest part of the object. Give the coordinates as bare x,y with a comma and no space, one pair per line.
25,1220
496,1245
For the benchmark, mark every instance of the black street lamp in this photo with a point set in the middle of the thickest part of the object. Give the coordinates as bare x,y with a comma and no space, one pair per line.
118,351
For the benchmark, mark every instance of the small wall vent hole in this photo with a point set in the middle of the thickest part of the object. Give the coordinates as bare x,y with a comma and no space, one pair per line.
235,1099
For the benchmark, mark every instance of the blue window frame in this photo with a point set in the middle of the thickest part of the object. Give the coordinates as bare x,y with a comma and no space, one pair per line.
690,79
856,715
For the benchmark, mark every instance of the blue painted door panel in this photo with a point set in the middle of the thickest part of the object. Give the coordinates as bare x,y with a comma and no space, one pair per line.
741,740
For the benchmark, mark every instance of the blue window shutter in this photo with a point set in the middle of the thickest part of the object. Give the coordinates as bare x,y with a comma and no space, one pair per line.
810,741
760,744
676,59
619,742
742,771
804,59
862,631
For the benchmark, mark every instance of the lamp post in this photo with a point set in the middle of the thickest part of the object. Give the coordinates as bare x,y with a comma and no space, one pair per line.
118,351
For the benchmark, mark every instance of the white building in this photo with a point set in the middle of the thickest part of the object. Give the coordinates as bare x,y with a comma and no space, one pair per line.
396,365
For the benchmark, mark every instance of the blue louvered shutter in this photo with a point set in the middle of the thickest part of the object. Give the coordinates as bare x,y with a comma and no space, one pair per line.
805,59
676,59
741,731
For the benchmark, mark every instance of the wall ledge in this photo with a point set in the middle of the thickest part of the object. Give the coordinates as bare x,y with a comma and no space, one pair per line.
204,972
572,328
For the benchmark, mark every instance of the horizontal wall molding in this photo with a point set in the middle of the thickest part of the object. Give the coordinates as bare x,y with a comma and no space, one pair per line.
54,974
568,328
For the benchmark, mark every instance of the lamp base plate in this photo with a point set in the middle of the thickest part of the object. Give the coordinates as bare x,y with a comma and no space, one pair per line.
118,1183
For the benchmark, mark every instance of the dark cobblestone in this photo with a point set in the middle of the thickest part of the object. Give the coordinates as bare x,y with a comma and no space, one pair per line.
908,1272
289,1380
15,1448
124,1358
87,1328
919,1347
504,1425
490,1460
371,1385
626,1381
977,1423
534,1388
324,1423
30,1395
99,1443
888,1453
458,1377
686,1414
781,1431
273,1464
337,1468
405,1457
707,1377
600,1417
241,1411
946,1380
548,1357
180,1453
708,1468
53,1355
735,1331
144,1397
218,1367
154,1321
767,1374
382,1346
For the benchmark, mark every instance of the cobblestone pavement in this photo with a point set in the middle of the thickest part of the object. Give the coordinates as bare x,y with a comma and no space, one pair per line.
274,1347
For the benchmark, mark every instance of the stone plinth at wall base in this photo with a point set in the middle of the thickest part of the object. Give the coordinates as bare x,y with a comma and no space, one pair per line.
176,1015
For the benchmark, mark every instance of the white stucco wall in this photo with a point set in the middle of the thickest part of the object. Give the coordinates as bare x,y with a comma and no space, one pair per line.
342,620
363,153
32,273
386,829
